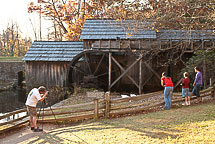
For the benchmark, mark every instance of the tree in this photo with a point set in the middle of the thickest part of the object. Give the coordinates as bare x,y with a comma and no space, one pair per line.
175,14
11,42
68,15
205,60
188,15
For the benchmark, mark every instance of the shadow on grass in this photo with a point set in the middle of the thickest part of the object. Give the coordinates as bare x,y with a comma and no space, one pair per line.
159,125
52,137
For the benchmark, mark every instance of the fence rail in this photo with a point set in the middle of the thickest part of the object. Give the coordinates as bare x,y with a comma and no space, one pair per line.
99,108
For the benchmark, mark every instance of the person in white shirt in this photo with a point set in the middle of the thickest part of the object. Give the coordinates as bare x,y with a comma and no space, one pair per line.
34,96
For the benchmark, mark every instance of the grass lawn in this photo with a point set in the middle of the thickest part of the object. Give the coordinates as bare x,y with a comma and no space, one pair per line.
193,124
9,59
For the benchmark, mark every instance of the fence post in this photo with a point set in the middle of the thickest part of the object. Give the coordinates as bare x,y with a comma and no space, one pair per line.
96,109
107,104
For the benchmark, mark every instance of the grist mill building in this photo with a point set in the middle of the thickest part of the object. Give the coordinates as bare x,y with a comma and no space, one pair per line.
115,55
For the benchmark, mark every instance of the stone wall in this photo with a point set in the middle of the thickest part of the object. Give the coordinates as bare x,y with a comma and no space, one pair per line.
9,71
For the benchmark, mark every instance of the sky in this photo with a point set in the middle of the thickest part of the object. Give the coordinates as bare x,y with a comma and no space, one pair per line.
16,11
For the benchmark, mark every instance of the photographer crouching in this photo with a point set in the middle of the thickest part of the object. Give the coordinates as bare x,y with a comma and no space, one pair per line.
34,96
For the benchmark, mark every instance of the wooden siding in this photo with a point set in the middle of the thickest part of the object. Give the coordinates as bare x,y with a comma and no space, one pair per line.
147,44
47,73
117,45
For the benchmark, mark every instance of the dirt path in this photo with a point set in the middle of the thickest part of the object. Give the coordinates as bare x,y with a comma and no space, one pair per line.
22,134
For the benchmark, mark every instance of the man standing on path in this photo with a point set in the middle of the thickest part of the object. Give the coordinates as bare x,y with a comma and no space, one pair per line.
197,84
34,96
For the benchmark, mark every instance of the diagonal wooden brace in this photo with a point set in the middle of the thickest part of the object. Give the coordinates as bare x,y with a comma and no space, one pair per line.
125,71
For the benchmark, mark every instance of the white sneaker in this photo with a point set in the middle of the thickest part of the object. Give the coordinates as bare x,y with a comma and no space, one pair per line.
185,103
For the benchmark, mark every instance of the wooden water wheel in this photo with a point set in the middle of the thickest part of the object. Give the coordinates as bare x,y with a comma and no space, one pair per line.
90,69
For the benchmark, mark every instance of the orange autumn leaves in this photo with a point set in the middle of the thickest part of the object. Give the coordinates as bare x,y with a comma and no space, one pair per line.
70,15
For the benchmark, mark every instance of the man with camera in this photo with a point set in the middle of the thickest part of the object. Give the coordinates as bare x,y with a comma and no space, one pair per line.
34,96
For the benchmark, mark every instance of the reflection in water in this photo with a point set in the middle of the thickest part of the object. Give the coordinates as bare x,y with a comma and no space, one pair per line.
11,100
12,117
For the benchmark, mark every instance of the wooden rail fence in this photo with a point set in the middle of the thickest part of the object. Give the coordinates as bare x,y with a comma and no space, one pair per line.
99,108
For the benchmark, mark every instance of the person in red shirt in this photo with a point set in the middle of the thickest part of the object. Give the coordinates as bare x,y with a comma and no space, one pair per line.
166,82
185,88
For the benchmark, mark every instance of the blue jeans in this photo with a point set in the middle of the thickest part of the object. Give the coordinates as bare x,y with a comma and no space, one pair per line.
167,97
185,92
196,90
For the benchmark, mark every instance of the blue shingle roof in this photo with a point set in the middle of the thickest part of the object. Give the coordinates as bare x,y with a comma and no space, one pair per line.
185,34
53,51
112,29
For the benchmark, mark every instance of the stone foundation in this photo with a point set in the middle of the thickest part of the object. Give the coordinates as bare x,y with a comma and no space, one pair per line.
9,71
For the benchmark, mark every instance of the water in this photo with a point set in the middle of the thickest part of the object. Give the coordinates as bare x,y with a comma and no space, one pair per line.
11,100
12,117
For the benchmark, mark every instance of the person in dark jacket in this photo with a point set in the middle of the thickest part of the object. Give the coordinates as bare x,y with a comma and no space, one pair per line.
197,84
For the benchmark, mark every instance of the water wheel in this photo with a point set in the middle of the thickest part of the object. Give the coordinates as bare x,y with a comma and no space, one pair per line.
89,69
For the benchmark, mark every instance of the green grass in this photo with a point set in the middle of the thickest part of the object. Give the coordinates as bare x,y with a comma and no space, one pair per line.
9,59
193,124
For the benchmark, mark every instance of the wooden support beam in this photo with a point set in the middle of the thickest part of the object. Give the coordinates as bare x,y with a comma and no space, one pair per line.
109,71
109,44
99,44
99,64
204,66
202,44
146,81
139,44
153,71
129,44
192,48
87,63
140,77
124,70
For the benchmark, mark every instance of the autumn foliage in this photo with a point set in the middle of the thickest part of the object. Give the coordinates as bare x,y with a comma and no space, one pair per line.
70,15
11,41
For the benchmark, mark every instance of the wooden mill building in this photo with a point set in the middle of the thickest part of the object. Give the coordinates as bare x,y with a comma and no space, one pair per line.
46,62
116,55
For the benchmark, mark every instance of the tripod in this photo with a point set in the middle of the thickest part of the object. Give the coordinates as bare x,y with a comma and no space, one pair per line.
43,103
